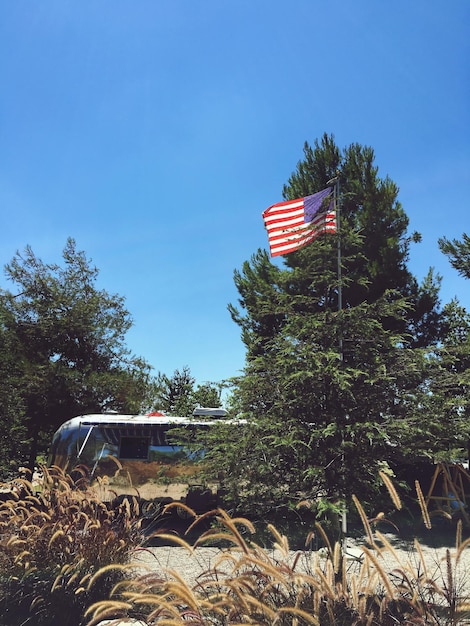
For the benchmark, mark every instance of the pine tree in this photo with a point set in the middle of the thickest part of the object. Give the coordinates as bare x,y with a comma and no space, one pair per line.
332,394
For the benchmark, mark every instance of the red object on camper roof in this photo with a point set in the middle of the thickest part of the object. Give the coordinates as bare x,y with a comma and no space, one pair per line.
155,414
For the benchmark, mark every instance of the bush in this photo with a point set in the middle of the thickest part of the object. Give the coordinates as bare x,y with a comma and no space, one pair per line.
60,549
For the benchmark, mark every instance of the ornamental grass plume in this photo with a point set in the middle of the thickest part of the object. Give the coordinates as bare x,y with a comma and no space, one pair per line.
61,548
247,584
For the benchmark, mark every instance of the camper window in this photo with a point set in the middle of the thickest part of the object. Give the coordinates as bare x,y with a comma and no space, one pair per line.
134,448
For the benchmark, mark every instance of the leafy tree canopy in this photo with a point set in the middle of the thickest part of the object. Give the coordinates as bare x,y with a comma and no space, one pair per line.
67,338
13,432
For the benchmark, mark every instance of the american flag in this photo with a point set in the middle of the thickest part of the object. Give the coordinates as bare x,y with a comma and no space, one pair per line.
294,223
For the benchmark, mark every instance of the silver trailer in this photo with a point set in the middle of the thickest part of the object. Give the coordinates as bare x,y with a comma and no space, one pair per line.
140,456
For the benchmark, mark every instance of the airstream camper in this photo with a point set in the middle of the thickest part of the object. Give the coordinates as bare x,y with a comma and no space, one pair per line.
139,455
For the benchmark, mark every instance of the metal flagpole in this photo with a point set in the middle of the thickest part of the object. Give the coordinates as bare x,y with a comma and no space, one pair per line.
340,278
344,520
336,201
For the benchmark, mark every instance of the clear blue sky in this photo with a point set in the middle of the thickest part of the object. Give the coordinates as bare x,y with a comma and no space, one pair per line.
155,132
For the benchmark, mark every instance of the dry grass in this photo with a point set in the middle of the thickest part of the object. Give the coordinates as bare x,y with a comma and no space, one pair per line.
65,558
248,585
55,544
138,472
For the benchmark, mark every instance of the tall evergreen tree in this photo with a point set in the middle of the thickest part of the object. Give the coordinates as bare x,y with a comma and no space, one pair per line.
330,392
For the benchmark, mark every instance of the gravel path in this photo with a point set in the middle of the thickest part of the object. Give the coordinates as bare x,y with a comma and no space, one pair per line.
190,567
165,560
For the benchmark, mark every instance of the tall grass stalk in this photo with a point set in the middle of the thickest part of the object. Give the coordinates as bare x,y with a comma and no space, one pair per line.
61,549
247,584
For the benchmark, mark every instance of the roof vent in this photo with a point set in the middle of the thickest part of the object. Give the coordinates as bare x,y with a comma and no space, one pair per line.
202,411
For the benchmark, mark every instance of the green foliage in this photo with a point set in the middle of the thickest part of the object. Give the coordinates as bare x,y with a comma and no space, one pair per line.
334,393
447,402
177,395
13,432
324,424
66,339
56,536
458,252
